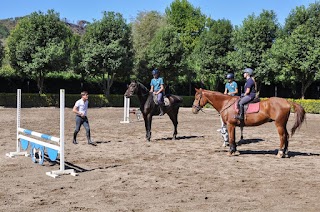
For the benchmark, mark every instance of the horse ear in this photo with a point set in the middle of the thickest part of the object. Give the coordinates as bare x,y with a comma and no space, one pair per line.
197,90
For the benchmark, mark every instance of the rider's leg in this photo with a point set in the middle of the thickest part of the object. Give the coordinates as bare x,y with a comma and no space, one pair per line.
161,104
242,101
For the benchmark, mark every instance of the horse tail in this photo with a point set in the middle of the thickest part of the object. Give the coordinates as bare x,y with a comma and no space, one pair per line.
300,117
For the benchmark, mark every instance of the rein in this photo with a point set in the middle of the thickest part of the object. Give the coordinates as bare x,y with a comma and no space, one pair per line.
143,88
227,106
198,107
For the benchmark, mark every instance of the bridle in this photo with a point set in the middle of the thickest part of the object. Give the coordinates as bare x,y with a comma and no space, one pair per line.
198,107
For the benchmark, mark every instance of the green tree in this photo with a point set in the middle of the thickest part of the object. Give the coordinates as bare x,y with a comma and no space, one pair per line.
4,32
297,54
209,55
144,28
106,49
39,44
1,53
251,41
165,52
76,57
189,23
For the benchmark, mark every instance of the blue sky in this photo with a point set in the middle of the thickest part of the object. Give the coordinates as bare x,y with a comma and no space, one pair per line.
234,10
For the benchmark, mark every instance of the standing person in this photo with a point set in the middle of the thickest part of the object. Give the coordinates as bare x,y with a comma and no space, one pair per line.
231,87
249,92
80,109
157,87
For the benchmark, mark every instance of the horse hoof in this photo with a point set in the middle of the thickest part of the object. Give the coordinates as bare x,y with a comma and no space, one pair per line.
236,153
225,144
280,154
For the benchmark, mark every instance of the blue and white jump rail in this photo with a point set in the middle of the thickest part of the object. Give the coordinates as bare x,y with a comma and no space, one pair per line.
52,145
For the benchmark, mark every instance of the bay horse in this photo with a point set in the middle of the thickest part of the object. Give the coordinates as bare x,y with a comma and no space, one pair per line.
272,109
149,108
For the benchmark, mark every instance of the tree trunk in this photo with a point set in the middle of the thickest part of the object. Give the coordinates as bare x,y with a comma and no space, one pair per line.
304,87
104,85
107,83
110,82
40,82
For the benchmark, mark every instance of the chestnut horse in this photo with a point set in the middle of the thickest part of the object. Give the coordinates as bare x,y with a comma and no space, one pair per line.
272,109
149,108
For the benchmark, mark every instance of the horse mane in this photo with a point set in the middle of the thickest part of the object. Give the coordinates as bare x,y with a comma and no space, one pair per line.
142,86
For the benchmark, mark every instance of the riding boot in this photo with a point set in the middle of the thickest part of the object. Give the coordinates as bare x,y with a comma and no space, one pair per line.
89,141
241,115
161,105
75,138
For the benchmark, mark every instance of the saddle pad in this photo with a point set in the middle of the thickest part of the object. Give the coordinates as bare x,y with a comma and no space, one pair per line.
165,99
249,108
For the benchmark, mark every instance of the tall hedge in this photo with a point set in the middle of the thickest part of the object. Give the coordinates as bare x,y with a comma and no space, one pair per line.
99,100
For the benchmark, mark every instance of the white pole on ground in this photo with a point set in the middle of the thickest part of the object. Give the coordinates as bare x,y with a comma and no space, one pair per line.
126,111
18,116
18,151
62,169
62,105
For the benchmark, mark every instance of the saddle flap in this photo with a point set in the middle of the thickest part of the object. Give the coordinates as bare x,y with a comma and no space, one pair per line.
251,107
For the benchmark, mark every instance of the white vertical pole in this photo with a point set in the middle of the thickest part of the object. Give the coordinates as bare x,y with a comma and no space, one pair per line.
62,105
18,117
126,108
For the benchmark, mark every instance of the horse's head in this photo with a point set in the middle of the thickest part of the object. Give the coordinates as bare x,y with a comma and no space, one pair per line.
136,87
132,89
199,101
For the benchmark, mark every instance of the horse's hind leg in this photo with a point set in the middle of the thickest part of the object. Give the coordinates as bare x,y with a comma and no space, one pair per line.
284,143
173,114
147,124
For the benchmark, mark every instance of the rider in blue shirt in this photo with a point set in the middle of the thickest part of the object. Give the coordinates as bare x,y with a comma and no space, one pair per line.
157,87
249,92
231,87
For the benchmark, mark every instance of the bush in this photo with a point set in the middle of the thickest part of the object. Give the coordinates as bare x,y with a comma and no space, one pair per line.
99,100
309,105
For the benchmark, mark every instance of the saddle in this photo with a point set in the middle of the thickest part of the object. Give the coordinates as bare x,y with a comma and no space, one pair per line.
251,107
165,100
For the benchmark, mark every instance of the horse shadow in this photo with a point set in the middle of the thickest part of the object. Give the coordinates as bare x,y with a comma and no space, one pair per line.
249,141
178,138
104,142
275,152
67,165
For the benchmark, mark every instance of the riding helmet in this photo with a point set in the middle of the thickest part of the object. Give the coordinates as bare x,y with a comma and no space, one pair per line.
230,76
155,71
248,70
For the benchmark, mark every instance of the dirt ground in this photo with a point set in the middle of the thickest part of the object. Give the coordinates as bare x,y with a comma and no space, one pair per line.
126,173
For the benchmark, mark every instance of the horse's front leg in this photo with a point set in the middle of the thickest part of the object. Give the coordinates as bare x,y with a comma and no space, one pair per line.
147,123
173,114
232,140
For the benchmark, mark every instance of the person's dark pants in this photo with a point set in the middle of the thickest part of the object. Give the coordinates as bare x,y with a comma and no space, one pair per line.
160,103
242,102
81,121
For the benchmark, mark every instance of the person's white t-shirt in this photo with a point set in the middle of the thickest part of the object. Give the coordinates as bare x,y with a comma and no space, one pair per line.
82,106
